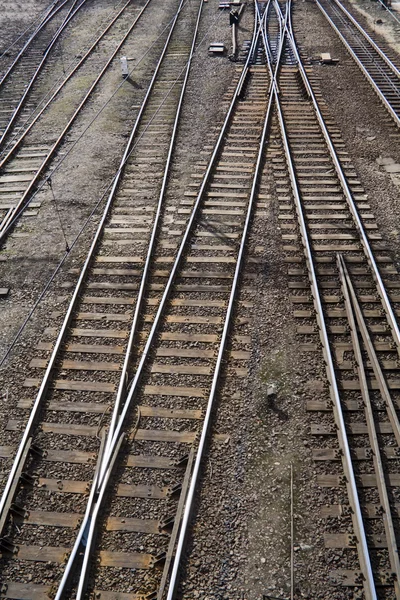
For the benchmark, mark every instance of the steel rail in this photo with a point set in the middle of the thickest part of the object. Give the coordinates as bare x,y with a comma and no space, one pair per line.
334,391
357,25
178,258
268,50
224,336
62,588
354,316
364,46
6,499
19,208
90,524
18,142
357,518
376,367
38,22
88,218
389,11
282,35
87,528
362,67
41,25
142,288
71,14
349,197
116,434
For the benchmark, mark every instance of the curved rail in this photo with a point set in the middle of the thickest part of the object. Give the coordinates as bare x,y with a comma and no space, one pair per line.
394,114
355,317
350,200
200,452
87,529
115,433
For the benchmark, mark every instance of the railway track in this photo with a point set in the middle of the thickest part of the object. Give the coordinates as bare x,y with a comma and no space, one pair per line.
166,310
375,62
28,155
351,313
10,54
100,491
18,80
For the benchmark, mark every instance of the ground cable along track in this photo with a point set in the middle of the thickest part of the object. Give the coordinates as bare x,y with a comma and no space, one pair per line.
373,60
27,159
177,371
85,365
325,216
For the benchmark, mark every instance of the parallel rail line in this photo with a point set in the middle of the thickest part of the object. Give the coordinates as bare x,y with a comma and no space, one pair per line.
185,307
15,87
42,21
373,60
144,419
354,287
26,161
